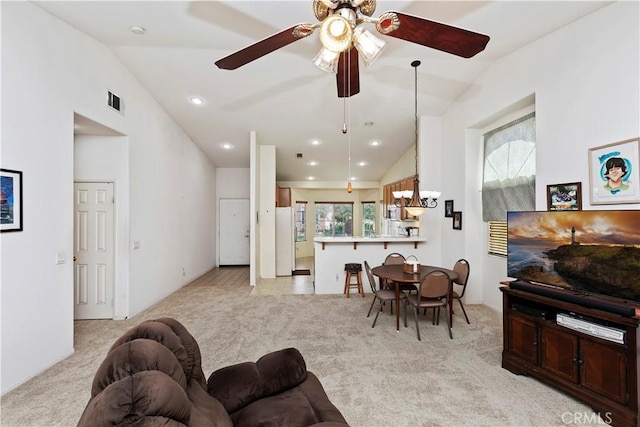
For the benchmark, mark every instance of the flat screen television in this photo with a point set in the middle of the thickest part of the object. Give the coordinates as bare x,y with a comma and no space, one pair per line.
593,252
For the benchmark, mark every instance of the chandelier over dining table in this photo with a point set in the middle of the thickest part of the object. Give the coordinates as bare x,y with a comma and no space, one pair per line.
416,201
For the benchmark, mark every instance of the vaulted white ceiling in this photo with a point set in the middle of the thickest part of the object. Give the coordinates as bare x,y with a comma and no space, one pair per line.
283,96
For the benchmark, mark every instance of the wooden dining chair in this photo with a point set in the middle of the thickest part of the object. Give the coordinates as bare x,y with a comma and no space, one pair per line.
462,268
397,258
433,292
381,295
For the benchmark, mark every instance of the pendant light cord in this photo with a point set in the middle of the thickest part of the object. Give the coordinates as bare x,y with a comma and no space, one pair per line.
348,65
415,65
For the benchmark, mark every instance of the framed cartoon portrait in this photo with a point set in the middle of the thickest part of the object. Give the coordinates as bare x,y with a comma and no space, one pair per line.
448,208
10,200
614,173
564,197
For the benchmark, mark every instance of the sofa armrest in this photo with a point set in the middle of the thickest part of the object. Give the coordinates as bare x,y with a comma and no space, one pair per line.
238,385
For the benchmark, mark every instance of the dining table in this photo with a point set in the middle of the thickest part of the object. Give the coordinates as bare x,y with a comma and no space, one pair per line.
396,274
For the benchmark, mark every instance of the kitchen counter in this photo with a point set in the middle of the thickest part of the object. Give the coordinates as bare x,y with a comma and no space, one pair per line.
332,253
385,240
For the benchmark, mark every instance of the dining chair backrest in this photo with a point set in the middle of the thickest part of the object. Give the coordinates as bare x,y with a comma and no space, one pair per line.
372,280
462,268
394,258
434,285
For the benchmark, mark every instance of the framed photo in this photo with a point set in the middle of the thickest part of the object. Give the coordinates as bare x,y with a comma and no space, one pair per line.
564,197
457,220
614,173
10,200
448,208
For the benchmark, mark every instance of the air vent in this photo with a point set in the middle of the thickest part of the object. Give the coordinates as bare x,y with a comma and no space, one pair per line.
115,102
299,155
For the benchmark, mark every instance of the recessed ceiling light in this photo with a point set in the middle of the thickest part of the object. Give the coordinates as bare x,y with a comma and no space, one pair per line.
138,30
227,146
197,101
315,142
363,163
311,178
374,143
312,163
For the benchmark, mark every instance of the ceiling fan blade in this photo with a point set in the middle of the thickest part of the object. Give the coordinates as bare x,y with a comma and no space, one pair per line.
446,38
265,46
348,78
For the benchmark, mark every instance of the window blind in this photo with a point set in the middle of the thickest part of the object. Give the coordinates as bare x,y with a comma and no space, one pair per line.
498,238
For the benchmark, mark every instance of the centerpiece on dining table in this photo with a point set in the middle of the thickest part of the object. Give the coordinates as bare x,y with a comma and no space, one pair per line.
411,265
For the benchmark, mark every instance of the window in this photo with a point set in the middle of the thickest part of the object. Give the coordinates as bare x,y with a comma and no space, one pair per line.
368,218
509,176
334,219
301,221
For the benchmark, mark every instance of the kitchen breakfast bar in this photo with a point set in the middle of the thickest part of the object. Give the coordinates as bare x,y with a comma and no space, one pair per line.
332,253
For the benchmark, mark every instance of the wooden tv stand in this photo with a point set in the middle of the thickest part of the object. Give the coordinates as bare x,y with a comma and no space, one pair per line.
602,373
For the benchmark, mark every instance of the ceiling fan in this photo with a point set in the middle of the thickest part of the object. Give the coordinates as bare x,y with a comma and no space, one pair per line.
344,37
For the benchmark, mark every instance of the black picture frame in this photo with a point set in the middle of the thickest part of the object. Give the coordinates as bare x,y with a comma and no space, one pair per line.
457,220
564,197
448,208
10,200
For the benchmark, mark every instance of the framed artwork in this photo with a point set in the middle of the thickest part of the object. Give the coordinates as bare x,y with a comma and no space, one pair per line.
448,208
457,220
564,197
10,200
614,173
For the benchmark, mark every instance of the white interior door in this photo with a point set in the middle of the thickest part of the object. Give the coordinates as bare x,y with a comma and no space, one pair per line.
234,231
93,250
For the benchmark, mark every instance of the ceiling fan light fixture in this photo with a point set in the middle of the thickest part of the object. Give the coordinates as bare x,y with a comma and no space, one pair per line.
369,46
327,60
336,33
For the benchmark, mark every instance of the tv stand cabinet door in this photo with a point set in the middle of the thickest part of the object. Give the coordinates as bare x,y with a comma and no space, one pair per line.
523,338
559,353
604,370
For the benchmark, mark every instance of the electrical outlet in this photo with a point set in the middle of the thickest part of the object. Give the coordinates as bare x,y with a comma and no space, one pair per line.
184,273
337,277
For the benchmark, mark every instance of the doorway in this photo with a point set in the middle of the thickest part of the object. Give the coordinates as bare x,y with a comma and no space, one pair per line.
235,237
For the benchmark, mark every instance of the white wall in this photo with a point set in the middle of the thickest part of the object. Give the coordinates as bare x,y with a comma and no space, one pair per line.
267,211
49,72
587,93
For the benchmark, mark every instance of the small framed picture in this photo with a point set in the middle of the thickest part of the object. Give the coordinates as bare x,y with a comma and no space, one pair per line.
10,200
614,173
564,197
457,220
448,208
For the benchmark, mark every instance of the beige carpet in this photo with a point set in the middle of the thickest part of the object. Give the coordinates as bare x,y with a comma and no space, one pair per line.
376,377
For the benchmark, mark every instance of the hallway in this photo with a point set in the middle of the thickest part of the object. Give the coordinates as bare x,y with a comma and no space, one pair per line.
288,285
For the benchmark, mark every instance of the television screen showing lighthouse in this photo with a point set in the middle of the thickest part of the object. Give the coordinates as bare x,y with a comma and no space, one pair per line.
590,251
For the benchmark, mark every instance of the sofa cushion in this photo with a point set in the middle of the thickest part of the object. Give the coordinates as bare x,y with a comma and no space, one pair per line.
136,356
238,385
304,405
143,395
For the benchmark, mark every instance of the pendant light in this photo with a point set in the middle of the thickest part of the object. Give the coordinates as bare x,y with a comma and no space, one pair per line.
416,201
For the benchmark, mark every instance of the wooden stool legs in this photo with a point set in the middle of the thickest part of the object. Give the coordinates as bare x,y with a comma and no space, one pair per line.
348,285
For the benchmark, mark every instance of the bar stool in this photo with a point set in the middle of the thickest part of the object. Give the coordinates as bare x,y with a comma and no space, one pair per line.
354,271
